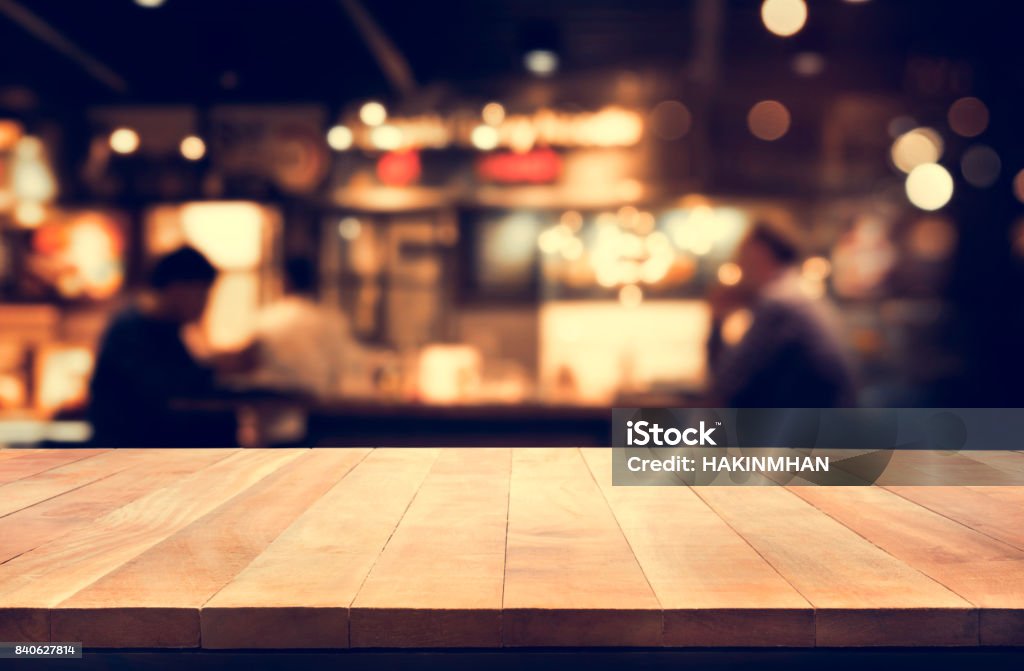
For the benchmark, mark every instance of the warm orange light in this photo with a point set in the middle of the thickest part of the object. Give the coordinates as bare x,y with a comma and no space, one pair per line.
124,141
736,326
373,113
387,137
670,120
768,120
968,117
63,377
484,137
193,148
10,132
932,238
916,147
339,138
448,373
631,296
493,113
230,234
816,268
730,274
929,186
784,17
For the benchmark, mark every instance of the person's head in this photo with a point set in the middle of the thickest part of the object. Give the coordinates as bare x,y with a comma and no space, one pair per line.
299,276
766,251
181,282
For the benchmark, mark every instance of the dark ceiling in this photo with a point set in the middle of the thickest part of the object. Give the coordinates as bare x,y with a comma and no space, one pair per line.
217,50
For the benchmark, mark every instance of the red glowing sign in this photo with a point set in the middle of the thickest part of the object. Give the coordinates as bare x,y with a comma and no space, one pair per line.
540,166
399,168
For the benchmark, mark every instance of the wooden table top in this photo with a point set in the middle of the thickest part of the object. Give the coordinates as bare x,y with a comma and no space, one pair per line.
500,547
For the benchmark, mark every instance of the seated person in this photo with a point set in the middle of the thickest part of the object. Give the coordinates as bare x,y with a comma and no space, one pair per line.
792,355
143,365
304,344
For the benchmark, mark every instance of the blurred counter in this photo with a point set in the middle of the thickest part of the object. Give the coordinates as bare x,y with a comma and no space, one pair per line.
527,425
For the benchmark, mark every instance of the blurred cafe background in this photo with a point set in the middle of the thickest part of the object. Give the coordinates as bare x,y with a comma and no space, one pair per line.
516,209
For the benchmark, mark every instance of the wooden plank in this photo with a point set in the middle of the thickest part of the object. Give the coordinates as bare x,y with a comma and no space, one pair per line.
297,593
1008,462
984,571
154,599
11,452
992,511
570,576
30,527
32,583
27,465
945,468
682,546
862,595
438,582
42,486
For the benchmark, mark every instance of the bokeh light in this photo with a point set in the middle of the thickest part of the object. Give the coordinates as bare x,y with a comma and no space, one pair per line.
484,137
386,137
493,113
1018,186
768,120
670,120
816,268
349,228
808,63
373,113
980,166
730,274
784,17
124,141
968,117
929,186
631,296
339,138
932,238
541,62
916,147
193,148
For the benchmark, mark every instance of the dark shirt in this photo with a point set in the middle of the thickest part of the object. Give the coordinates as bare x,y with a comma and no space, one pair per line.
142,366
792,356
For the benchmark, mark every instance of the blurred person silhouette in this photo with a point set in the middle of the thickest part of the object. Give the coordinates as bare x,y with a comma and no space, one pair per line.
304,348
143,365
303,343
792,354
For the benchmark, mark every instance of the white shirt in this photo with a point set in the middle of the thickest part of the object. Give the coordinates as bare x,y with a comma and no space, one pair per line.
303,346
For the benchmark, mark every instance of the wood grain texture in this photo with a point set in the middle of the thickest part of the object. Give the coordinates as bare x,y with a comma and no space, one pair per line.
40,579
570,576
997,512
25,465
297,593
682,546
29,490
489,547
438,582
30,527
984,571
156,596
862,595
9,452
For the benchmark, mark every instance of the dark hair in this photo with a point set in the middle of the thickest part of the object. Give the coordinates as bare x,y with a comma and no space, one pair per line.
185,264
300,275
782,241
